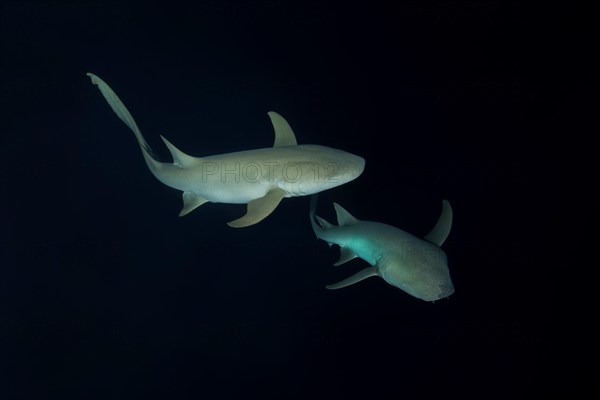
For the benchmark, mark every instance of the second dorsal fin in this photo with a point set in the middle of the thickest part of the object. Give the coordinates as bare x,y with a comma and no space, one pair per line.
179,157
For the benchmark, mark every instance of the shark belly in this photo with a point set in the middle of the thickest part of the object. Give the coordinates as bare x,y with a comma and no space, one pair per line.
240,177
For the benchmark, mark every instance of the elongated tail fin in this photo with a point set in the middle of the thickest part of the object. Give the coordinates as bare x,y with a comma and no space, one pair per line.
311,213
119,108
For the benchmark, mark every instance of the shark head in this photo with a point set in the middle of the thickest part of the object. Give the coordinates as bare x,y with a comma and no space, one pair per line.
419,268
323,168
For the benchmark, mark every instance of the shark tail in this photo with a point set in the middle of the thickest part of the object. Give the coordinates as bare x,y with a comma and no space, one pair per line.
313,210
320,226
119,108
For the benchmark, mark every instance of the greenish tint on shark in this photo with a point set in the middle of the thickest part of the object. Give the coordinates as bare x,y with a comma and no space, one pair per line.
260,178
417,266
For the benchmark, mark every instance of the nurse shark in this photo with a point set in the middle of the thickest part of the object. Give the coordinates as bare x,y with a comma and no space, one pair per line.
260,178
418,267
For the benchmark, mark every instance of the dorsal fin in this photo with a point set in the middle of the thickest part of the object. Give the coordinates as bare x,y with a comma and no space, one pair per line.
441,230
324,224
284,135
344,217
179,157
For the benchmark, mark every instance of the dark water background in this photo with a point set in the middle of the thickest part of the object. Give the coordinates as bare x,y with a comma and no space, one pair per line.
105,293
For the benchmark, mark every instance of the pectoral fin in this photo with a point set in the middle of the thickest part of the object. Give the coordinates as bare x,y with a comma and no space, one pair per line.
259,209
359,276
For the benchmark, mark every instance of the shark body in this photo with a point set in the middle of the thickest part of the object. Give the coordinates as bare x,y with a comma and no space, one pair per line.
260,178
417,266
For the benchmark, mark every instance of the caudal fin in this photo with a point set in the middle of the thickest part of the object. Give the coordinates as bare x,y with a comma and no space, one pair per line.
119,108
313,208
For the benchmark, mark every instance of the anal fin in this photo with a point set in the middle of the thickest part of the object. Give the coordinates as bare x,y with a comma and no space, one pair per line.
190,203
259,209
345,255
359,276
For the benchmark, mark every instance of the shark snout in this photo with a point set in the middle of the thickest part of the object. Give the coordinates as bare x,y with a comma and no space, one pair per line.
355,165
360,164
446,289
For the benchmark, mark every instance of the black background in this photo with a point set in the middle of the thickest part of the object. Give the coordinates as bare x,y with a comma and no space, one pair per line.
106,293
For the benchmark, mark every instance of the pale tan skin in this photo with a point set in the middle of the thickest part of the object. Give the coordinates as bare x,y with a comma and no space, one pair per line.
260,178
